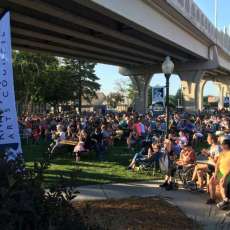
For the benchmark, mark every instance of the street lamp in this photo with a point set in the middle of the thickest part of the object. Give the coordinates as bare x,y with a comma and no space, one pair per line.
167,69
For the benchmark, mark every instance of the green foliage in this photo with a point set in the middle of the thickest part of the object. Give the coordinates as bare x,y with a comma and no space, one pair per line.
113,99
132,91
173,99
121,85
46,79
205,101
207,104
57,87
30,73
150,88
83,79
24,204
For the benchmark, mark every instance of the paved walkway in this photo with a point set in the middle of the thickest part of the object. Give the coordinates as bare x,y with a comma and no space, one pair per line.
191,203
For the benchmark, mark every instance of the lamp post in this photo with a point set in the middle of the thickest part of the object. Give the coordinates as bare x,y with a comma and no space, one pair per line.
167,69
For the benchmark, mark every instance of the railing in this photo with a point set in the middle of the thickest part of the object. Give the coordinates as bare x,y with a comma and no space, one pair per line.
194,14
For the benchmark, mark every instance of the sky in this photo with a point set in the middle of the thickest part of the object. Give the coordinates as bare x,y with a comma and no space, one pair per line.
109,74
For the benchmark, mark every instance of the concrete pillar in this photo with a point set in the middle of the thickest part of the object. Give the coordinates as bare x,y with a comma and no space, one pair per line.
200,94
192,86
141,100
223,91
141,81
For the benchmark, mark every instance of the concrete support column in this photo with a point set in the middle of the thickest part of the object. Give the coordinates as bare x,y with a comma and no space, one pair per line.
200,94
192,88
223,91
141,82
141,100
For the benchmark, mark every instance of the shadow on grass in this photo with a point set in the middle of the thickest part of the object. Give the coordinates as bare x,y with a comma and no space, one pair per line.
89,170
78,177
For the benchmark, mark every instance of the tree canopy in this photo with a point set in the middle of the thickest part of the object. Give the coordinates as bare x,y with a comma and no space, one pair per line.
114,98
42,78
83,80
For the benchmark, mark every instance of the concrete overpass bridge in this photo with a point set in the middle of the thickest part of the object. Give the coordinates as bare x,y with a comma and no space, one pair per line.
134,34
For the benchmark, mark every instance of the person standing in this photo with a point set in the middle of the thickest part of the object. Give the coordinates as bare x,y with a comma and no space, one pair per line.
221,177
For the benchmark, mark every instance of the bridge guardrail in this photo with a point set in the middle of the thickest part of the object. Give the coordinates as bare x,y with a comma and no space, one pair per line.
190,10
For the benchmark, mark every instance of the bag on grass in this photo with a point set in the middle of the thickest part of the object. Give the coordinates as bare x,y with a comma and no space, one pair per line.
164,163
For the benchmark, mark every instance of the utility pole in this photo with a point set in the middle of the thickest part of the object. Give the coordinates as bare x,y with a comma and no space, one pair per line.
216,13
80,87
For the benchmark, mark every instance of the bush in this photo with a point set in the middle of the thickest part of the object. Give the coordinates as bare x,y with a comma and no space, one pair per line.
25,205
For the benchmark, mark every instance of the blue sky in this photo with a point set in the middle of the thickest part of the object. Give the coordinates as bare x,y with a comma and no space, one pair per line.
109,75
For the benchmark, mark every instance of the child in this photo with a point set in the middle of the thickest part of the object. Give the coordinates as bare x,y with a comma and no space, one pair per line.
79,148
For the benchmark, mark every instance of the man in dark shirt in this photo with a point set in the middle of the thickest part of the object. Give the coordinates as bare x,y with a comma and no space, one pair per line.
98,140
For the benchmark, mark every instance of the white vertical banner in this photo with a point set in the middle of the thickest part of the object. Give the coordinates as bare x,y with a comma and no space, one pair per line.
9,132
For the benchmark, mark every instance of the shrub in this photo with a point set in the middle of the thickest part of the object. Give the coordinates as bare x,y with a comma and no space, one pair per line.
25,205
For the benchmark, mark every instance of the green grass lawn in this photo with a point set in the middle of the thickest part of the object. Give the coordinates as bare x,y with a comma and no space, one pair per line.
89,170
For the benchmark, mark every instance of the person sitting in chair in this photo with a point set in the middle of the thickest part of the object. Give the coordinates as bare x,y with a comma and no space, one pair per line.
155,154
201,169
152,156
187,155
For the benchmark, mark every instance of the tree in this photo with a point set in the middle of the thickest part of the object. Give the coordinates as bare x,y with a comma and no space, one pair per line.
121,86
132,91
57,88
173,99
30,73
113,99
150,91
205,102
43,78
83,79
179,96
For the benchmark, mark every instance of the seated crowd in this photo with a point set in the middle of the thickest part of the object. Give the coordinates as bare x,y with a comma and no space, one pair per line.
180,151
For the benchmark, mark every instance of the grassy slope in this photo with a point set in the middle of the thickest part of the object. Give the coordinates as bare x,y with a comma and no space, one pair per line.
89,170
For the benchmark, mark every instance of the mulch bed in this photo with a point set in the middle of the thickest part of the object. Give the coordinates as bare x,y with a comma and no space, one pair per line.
134,214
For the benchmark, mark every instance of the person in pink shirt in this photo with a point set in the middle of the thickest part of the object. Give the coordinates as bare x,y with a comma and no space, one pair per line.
139,128
79,148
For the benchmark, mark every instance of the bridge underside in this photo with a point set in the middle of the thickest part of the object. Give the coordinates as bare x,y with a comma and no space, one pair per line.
88,31
216,74
74,28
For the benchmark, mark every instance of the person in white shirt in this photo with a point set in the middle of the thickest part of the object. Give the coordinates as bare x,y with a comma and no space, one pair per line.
60,137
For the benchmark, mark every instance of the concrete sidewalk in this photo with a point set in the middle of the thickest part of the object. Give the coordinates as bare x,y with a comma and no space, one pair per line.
191,203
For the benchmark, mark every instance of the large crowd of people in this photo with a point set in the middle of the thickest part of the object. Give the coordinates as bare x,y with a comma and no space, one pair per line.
197,146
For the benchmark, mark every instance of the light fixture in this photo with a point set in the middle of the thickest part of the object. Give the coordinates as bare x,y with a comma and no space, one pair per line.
167,66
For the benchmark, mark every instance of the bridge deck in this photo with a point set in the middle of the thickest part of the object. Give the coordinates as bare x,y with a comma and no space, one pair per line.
71,28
